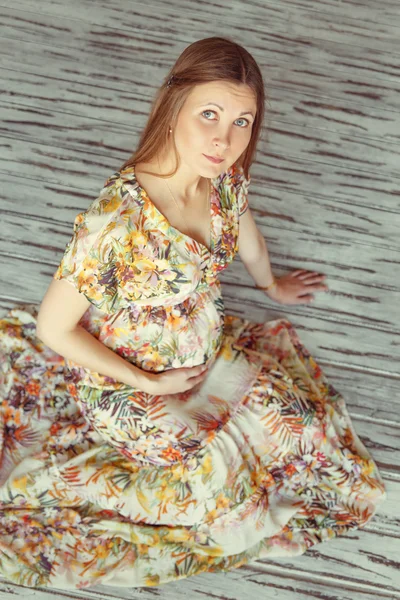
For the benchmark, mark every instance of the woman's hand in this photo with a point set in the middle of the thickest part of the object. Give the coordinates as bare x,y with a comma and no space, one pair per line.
295,287
172,381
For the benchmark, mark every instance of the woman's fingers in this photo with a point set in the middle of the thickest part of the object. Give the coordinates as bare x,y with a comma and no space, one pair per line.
305,299
302,274
313,279
316,286
313,276
298,273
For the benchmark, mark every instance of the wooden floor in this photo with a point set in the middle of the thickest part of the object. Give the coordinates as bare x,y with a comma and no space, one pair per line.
77,79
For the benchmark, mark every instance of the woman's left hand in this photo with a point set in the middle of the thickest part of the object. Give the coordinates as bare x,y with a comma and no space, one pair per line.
295,287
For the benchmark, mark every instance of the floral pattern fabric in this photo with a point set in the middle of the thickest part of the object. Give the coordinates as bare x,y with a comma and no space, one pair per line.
103,483
148,281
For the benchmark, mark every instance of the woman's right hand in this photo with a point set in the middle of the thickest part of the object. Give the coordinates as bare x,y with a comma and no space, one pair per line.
173,381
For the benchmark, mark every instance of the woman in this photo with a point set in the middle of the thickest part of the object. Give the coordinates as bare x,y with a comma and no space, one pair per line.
178,439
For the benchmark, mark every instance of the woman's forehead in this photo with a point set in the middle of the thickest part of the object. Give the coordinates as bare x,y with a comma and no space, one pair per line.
222,92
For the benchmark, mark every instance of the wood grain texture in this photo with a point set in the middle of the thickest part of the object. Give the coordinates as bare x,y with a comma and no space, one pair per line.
76,84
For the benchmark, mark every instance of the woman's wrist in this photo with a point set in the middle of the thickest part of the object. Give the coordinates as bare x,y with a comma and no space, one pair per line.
139,378
268,288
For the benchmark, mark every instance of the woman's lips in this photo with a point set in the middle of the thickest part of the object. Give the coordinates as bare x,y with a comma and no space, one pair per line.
214,160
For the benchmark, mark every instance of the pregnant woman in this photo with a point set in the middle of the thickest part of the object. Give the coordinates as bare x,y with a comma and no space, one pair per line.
147,436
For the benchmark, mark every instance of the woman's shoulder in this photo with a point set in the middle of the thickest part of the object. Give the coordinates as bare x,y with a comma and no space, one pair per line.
236,175
114,203
110,213
113,194
101,244
232,180
233,189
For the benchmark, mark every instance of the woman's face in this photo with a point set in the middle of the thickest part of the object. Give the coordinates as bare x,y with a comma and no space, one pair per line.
222,131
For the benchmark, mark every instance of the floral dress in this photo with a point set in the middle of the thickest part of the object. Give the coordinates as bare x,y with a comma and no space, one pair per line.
101,482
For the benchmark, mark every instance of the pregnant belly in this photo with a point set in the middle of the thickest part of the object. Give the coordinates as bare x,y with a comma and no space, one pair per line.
157,338
184,335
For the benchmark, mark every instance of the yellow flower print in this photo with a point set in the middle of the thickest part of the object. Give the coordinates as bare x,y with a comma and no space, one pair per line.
211,516
150,209
222,501
211,435
178,473
165,495
110,204
152,270
20,483
176,320
89,286
151,358
79,220
368,468
142,277
155,540
142,549
101,551
90,264
135,239
177,536
214,551
226,352
152,580
207,465
86,279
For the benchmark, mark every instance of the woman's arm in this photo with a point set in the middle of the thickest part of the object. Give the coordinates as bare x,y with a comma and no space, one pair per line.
57,327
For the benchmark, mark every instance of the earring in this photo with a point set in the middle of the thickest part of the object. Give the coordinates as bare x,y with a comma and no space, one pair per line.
170,130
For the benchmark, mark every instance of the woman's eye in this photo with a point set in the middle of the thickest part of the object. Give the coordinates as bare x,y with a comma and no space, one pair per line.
248,122
207,111
213,112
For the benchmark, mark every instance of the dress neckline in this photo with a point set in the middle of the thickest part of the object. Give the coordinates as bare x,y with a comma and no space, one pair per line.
166,225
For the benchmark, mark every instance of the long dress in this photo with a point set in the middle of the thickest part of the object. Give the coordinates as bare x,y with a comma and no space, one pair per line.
101,482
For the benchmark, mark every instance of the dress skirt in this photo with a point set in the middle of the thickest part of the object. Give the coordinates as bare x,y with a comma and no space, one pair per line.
128,489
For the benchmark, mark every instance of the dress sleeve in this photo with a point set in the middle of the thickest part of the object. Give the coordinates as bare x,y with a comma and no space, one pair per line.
242,187
89,261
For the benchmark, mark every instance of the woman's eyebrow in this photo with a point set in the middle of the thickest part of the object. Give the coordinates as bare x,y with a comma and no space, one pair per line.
246,112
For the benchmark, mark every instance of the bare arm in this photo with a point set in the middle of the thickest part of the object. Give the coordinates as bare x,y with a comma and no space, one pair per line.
253,250
259,266
57,327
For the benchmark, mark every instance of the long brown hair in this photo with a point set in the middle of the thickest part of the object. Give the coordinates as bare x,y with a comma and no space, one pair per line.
206,60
